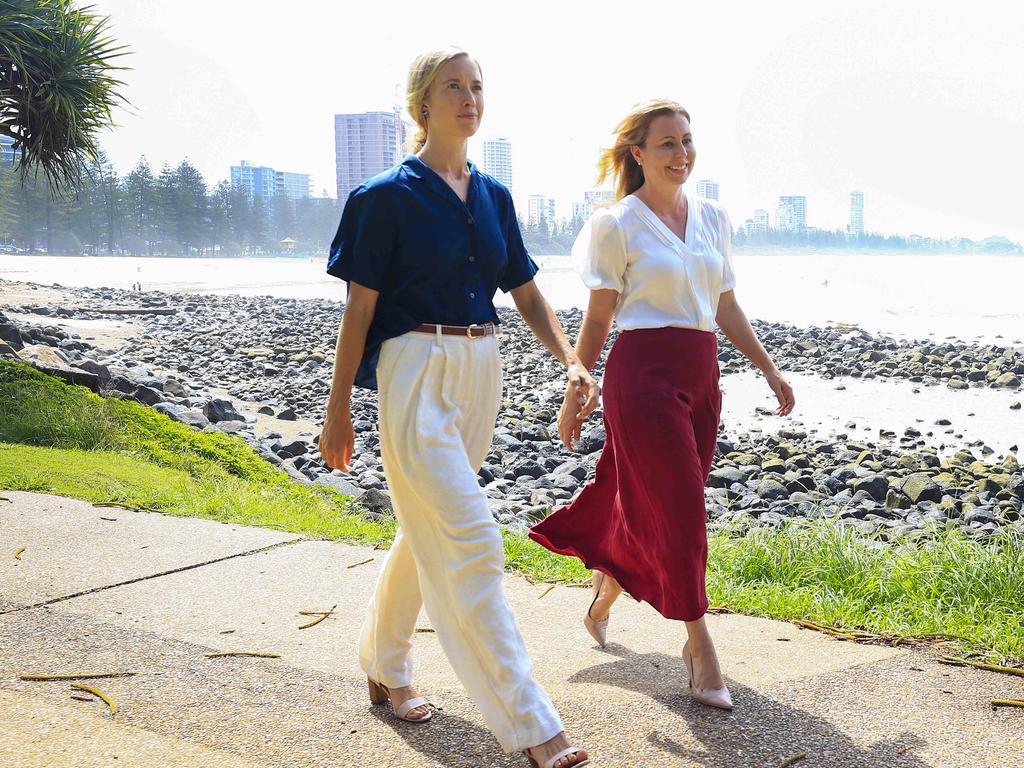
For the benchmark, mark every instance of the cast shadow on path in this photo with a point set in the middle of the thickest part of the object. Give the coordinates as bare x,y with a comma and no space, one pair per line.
759,732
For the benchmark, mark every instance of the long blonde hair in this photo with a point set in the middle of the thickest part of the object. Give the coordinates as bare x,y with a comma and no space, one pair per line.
617,162
421,76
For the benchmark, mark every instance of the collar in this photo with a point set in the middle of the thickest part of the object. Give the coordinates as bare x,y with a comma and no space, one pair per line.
417,169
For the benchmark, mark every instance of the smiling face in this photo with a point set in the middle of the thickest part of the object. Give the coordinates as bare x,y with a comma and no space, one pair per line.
455,102
668,153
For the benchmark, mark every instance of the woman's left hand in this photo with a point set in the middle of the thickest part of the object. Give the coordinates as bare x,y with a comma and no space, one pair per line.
783,391
582,395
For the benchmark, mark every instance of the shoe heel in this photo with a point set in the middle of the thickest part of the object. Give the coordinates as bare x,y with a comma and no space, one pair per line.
378,693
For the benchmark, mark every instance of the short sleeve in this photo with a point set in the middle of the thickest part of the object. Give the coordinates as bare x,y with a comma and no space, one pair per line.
725,240
600,252
519,267
364,246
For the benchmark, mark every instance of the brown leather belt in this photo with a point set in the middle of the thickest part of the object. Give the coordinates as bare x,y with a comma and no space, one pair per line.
472,331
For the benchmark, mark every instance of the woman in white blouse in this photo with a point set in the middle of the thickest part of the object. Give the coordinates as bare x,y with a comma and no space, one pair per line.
658,263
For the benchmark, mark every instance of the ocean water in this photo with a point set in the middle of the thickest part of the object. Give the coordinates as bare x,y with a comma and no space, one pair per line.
915,295
976,299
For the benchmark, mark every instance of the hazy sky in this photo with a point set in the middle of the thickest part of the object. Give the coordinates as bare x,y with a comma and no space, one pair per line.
920,105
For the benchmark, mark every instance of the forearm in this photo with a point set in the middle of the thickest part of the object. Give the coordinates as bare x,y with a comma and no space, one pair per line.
541,319
591,341
348,353
736,327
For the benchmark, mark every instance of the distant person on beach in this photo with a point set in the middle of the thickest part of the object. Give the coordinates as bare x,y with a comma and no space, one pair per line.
423,248
658,262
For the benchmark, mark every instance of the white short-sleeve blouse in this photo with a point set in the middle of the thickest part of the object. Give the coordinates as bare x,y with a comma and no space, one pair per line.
662,280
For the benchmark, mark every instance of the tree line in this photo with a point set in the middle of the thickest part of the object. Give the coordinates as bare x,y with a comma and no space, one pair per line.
171,213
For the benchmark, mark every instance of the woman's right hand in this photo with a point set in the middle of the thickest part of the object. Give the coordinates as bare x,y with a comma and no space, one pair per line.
337,439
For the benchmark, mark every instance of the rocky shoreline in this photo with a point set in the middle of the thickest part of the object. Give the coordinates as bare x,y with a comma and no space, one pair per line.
278,354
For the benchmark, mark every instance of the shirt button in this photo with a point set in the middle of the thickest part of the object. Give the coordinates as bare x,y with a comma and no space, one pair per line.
472,295
472,258
469,220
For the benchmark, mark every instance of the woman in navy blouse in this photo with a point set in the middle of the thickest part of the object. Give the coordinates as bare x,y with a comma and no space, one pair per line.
423,247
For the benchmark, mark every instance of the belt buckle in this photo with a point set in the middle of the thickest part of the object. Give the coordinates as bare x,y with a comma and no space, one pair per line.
469,331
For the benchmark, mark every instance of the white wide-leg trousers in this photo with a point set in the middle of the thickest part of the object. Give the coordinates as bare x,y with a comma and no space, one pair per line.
438,401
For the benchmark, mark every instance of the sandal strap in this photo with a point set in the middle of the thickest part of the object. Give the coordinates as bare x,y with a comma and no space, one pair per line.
408,706
564,753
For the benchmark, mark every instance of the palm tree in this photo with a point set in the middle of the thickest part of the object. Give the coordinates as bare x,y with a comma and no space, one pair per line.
57,87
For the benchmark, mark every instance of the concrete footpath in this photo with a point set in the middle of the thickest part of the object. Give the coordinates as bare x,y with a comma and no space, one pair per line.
99,589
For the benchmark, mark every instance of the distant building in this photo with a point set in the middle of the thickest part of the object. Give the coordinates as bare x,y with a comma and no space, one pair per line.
707,189
757,224
260,181
364,145
8,155
498,159
856,225
541,207
792,213
592,200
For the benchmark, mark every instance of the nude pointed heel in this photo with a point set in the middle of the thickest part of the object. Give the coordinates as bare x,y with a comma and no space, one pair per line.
380,694
709,697
597,629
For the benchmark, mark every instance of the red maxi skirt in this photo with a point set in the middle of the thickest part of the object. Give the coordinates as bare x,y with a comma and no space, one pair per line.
642,519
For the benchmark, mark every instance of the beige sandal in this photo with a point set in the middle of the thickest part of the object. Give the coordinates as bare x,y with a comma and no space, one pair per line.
550,762
380,694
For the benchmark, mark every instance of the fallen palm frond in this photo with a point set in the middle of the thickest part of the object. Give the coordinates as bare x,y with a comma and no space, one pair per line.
320,614
17,554
953,662
76,676
794,759
89,689
364,562
1008,703
257,654
121,505
544,593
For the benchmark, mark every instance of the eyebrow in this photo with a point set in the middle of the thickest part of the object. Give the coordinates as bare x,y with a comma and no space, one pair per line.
459,80
671,136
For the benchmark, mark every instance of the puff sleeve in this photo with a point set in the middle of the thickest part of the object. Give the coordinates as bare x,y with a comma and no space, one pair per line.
600,252
364,246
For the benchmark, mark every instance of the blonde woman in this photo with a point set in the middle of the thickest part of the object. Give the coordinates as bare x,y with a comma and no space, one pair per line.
423,247
658,263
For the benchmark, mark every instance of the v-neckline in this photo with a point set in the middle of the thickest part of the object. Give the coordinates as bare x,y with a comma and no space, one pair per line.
450,193
664,229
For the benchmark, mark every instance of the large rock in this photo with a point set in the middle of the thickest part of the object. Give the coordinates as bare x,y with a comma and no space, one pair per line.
147,395
10,334
592,441
219,409
340,484
191,416
377,503
921,487
772,490
725,477
876,486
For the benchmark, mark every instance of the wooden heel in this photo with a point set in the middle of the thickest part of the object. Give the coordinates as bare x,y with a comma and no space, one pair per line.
378,693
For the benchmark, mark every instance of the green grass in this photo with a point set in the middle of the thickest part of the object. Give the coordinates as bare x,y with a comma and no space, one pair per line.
65,440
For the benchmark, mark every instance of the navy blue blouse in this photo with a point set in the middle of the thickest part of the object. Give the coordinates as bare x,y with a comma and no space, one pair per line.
433,259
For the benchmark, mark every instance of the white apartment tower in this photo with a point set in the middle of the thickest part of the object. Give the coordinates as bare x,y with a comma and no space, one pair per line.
364,145
856,225
707,189
541,207
498,159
